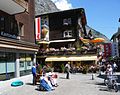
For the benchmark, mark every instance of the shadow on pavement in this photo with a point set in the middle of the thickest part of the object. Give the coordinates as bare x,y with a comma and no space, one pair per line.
31,84
103,76
37,89
102,84
102,88
62,78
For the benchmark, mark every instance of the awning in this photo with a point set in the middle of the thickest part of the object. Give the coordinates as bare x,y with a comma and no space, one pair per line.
11,6
67,40
81,58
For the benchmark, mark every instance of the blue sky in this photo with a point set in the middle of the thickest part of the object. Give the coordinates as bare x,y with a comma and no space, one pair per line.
102,15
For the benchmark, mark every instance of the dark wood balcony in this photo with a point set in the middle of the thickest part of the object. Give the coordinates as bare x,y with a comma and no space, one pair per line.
67,52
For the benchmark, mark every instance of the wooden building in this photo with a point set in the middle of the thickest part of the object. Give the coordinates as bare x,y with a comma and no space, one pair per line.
59,37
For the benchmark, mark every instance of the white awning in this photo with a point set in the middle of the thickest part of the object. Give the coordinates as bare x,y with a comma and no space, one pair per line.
11,7
81,58
67,40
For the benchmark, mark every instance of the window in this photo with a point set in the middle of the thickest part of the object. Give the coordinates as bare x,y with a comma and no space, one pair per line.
67,21
67,33
21,29
44,20
21,64
12,26
28,63
2,24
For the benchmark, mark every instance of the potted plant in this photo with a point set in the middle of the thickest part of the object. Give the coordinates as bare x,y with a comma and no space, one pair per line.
63,68
85,70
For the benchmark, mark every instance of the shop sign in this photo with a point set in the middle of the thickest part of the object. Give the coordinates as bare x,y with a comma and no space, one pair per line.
8,35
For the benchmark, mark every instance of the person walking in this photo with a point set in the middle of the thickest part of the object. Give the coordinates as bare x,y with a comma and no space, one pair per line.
34,73
109,71
67,67
114,67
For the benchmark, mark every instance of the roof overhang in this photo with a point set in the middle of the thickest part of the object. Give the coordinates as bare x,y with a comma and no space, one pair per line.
81,58
11,7
67,40
18,47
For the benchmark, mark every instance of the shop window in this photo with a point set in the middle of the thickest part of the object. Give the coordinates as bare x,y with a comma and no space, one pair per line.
2,67
29,63
67,33
7,65
2,24
21,64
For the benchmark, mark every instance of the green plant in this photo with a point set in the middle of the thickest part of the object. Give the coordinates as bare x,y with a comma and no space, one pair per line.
49,69
85,70
39,68
63,68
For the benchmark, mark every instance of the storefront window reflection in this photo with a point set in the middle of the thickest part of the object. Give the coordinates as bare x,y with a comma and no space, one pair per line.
7,65
26,61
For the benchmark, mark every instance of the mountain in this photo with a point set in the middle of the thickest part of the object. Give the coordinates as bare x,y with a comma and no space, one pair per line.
44,6
47,6
97,34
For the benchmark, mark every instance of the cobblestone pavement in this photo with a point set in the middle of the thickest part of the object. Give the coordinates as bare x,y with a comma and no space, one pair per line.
78,84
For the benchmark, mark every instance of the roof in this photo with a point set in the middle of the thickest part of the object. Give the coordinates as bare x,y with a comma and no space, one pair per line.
116,34
76,9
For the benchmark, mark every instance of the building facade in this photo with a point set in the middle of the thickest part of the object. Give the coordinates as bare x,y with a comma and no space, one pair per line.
107,50
116,43
17,38
115,49
116,39
59,35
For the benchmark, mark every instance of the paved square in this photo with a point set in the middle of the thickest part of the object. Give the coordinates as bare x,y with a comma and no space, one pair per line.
78,84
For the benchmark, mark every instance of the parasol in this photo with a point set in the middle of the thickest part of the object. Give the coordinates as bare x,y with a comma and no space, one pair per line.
97,40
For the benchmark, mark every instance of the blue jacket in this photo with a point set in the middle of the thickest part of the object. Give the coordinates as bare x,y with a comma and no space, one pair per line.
34,71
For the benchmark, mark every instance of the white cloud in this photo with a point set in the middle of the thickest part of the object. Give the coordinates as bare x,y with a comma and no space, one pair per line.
62,4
